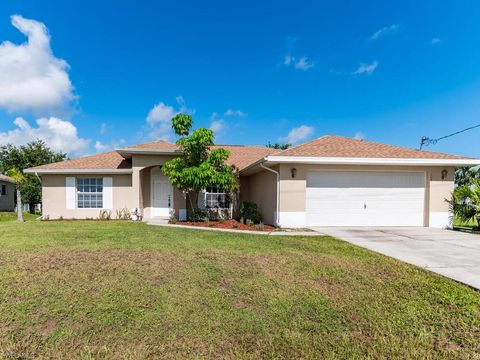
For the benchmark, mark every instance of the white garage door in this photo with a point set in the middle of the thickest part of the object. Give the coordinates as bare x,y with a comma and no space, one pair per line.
365,198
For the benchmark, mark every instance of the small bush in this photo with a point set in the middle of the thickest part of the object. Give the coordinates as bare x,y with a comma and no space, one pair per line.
105,214
249,222
123,214
221,221
235,226
249,211
197,215
260,227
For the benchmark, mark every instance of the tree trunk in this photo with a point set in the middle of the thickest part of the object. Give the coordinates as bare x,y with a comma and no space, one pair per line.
19,205
31,207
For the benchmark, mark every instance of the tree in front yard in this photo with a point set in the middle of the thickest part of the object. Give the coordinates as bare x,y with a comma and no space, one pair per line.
466,202
200,166
22,157
19,180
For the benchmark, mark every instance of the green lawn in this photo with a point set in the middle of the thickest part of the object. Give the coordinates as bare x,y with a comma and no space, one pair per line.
129,290
12,216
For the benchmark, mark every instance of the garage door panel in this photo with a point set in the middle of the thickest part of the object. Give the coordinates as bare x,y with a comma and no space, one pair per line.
346,198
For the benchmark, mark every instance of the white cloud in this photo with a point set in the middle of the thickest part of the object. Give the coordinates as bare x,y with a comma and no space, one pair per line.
385,31
59,135
366,68
31,77
232,112
435,41
161,113
298,134
288,60
100,147
360,135
217,125
103,128
303,64
300,64
159,119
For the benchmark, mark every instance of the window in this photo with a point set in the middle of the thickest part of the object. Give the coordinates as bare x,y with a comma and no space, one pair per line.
89,193
216,198
3,190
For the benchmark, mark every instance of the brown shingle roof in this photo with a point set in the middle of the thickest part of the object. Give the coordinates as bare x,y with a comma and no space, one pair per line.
240,156
108,160
338,146
6,178
160,145
243,155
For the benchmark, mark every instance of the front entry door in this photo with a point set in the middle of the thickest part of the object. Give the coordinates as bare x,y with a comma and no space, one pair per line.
162,196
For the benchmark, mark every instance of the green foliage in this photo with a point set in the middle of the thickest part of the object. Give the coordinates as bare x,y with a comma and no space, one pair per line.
197,215
279,146
249,211
466,175
33,154
466,201
181,124
199,166
17,176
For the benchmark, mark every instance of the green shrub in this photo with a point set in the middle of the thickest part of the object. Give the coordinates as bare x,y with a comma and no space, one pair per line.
249,211
197,215
249,222
260,227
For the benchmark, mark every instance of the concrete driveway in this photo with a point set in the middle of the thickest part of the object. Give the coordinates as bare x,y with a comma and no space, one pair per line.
450,253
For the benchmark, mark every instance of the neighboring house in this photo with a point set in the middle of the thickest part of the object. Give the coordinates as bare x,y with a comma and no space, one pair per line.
7,193
330,181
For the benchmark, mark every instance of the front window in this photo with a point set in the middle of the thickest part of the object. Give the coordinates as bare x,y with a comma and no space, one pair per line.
3,190
90,193
216,198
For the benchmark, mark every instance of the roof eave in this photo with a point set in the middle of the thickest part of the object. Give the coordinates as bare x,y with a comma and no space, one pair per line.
126,152
371,161
78,171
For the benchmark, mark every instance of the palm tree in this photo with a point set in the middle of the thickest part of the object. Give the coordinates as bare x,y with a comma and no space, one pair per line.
466,201
19,179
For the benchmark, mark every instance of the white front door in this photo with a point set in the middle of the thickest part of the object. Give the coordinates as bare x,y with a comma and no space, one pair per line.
162,196
365,198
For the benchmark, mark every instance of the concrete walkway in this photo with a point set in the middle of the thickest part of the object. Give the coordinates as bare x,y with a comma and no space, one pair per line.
453,254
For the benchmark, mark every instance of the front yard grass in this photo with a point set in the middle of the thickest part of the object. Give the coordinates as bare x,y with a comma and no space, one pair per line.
12,216
129,290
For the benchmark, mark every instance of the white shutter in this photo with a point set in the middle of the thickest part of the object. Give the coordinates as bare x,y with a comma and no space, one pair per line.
70,192
107,193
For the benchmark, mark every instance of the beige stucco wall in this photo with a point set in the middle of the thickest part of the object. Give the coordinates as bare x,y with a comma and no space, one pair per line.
54,196
7,201
261,188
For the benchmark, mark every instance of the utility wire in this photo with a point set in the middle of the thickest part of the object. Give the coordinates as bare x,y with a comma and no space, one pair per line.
426,141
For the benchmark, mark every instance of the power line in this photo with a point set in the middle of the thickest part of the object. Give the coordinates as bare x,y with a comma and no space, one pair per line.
426,141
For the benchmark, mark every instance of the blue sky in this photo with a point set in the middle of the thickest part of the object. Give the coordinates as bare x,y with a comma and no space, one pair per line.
113,72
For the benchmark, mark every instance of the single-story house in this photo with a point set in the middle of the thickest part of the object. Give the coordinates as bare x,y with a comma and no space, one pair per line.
329,181
7,193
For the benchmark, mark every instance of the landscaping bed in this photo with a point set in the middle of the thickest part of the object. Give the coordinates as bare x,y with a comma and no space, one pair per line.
227,224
